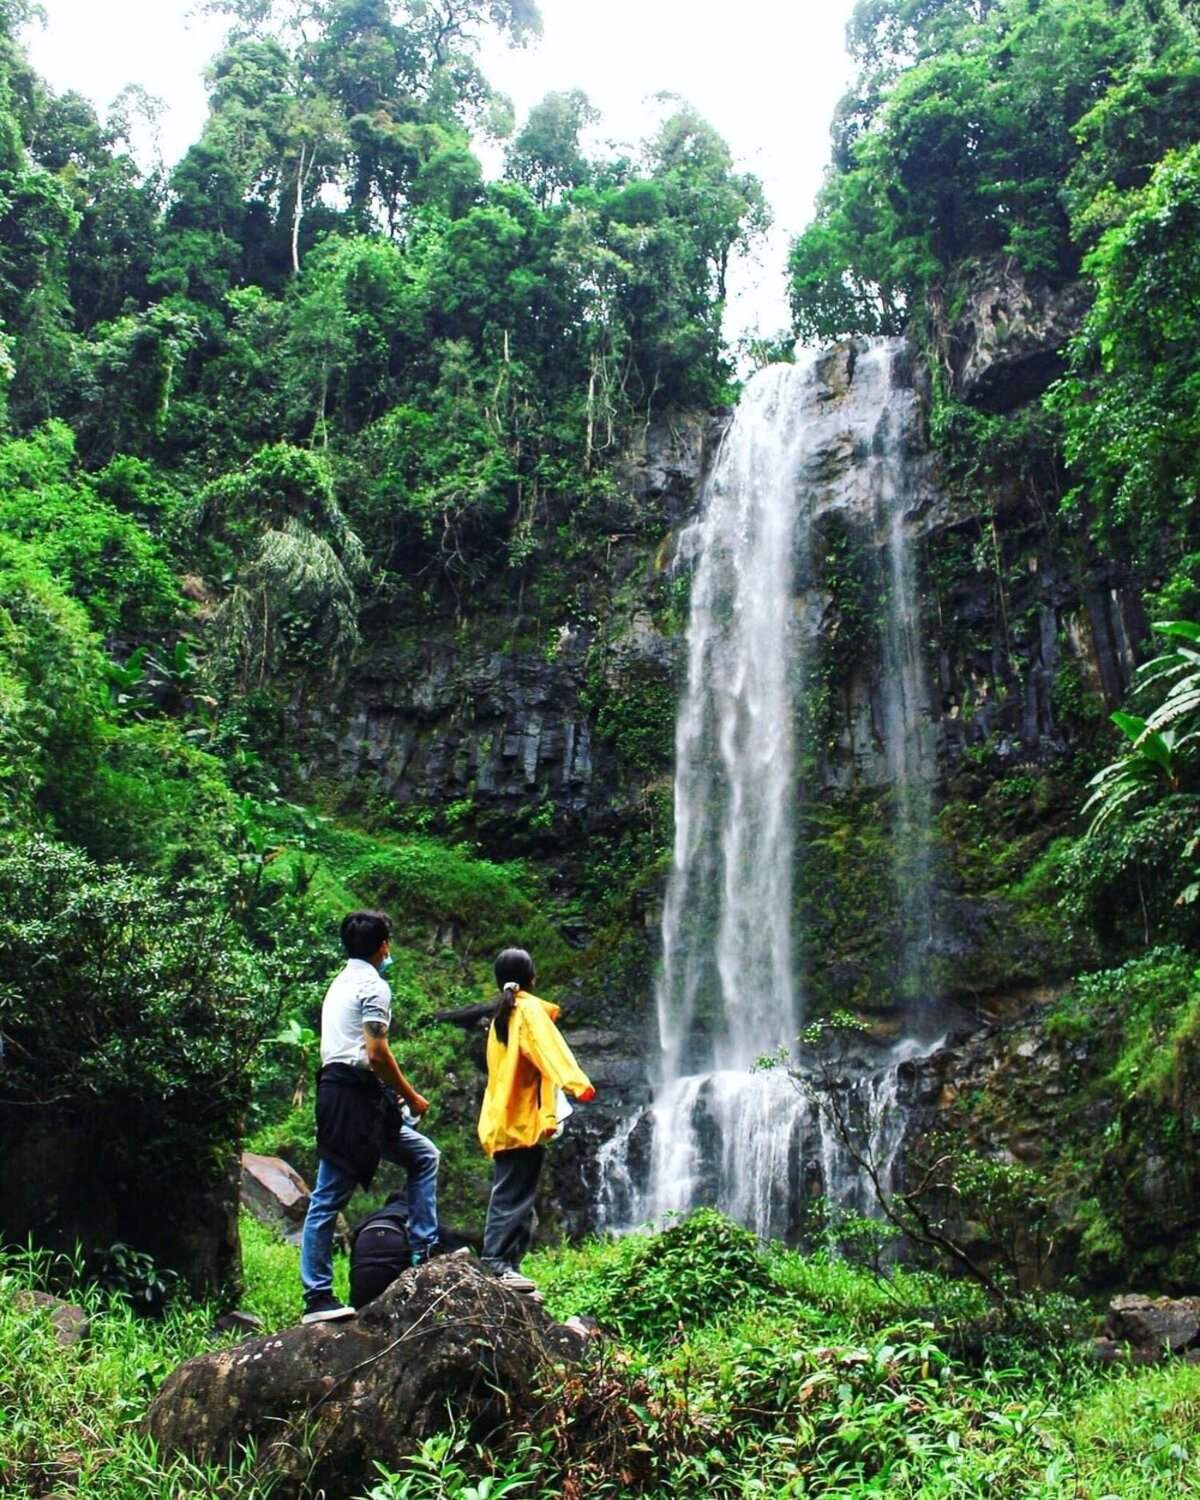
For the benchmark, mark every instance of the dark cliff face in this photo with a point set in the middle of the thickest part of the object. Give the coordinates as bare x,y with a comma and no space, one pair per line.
500,705
1008,341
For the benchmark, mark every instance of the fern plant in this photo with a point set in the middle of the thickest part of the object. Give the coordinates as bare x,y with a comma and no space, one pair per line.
1162,746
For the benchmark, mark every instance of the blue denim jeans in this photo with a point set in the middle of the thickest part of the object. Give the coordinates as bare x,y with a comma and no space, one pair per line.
419,1157
330,1195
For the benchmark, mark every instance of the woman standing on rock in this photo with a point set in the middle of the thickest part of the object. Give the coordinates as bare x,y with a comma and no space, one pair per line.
529,1068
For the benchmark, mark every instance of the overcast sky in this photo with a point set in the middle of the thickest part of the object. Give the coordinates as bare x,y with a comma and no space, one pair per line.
767,73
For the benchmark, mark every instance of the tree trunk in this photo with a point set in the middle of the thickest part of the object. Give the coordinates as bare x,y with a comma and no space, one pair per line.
298,212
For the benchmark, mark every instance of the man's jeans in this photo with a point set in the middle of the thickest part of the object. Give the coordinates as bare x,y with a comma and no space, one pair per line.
331,1194
419,1157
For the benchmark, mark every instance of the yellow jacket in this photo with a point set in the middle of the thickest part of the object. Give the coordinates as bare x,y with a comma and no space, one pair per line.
518,1104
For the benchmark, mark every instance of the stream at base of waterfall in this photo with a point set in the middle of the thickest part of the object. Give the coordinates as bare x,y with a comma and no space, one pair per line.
739,1118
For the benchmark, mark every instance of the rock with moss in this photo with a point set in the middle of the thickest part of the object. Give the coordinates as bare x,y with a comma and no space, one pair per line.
445,1346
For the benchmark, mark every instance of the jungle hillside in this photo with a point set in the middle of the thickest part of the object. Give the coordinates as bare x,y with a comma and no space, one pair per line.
346,489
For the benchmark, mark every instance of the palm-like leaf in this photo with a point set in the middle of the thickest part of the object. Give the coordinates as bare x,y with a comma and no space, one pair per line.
1161,746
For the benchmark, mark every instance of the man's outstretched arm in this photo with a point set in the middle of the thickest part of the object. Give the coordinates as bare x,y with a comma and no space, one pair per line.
385,1067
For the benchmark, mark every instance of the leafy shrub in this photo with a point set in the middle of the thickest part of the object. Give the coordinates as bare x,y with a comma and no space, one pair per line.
111,563
50,668
117,991
421,880
645,1286
1145,1008
155,802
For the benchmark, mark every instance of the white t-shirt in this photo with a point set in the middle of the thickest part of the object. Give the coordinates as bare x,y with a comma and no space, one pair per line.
357,995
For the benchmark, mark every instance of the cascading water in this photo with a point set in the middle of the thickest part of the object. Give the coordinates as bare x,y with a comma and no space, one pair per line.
722,1131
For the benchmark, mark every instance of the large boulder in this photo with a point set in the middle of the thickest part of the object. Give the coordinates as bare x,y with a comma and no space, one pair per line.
445,1343
67,1184
1154,1327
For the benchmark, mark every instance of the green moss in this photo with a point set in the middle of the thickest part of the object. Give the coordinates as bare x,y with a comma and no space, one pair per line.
635,711
422,882
1148,1013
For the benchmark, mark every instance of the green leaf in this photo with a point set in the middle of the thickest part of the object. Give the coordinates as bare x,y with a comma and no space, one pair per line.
1129,724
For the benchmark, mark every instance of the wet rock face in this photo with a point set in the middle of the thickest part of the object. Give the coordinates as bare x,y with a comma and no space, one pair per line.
428,721
325,1402
1007,345
1023,1089
665,471
431,715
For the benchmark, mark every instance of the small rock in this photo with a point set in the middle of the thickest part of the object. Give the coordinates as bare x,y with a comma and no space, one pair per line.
1152,1325
238,1322
71,1324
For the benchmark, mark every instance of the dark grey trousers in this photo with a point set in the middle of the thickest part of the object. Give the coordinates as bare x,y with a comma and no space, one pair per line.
509,1226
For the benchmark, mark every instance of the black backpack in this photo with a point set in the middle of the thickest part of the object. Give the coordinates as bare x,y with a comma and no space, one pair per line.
379,1252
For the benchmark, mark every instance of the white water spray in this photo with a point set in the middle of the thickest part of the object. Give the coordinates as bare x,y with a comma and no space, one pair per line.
722,1131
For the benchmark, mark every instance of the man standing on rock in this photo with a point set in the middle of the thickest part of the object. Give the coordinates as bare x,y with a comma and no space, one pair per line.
358,1117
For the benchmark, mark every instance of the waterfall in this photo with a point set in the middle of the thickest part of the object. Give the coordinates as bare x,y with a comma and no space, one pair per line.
722,1129
908,732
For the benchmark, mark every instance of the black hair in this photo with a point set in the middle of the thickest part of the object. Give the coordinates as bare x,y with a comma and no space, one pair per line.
514,971
365,932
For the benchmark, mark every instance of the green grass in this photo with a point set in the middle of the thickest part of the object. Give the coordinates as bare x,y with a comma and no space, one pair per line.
68,1417
790,1375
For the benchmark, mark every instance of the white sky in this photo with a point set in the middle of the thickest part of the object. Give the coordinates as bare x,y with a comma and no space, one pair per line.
767,73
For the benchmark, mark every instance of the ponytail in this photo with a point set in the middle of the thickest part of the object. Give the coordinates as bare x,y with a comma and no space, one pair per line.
508,998
514,971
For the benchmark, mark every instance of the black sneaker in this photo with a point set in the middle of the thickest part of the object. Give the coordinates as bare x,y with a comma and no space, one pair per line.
324,1307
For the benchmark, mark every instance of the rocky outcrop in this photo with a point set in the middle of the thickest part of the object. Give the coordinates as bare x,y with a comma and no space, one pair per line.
506,718
665,468
1008,342
1145,1330
274,1192
428,722
445,1344
1026,1087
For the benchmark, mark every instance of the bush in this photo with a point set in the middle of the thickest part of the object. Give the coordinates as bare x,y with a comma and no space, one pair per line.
114,987
50,669
129,1016
110,562
645,1287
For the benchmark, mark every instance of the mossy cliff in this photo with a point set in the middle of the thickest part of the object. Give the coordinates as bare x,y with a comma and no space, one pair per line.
535,722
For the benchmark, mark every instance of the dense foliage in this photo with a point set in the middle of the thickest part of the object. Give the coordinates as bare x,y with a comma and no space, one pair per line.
1031,144
327,267
985,128
322,374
